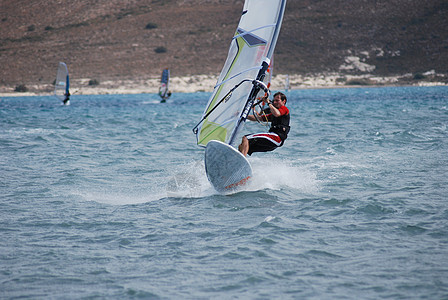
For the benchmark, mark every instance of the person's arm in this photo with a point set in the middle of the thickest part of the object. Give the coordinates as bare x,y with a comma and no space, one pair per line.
252,117
274,111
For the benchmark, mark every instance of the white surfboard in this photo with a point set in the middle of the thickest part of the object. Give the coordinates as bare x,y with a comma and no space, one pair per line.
227,169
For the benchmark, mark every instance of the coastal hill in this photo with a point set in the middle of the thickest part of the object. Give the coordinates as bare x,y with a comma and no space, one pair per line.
107,40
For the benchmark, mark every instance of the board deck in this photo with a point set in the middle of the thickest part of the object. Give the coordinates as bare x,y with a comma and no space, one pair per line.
227,169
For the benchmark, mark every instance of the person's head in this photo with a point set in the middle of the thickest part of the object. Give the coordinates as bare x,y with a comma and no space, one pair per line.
279,99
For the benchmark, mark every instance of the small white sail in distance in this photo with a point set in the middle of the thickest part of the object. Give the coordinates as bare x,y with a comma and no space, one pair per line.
253,43
62,83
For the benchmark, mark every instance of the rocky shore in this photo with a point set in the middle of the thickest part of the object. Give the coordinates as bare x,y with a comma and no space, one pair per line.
205,83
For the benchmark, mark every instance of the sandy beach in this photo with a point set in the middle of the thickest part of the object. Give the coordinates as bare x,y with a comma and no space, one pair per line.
205,83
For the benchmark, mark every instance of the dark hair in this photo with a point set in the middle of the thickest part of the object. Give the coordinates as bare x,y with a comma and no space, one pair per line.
282,96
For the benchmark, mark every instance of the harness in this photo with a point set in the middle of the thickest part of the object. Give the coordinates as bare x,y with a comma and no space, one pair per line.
280,126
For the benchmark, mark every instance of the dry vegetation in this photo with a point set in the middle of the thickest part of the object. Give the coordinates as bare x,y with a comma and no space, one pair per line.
128,39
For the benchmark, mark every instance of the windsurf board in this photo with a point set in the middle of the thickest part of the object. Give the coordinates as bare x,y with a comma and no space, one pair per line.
227,169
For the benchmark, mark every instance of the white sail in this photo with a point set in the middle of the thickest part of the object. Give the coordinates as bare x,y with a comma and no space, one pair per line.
251,48
62,84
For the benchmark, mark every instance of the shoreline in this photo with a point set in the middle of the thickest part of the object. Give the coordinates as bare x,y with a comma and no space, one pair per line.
205,83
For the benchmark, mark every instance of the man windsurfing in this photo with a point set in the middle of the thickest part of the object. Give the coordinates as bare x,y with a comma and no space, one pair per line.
279,118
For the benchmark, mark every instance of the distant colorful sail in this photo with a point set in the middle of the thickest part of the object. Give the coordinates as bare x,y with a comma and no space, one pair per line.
164,91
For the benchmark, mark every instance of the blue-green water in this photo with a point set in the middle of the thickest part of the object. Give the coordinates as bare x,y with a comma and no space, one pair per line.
353,206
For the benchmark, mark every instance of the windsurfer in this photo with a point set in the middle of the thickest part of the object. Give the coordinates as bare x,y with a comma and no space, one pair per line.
67,97
279,118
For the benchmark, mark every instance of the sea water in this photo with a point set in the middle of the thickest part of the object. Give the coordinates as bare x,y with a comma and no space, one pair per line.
108,198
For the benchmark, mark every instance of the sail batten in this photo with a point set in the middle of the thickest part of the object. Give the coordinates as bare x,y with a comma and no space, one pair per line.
250,49
243,32
236,75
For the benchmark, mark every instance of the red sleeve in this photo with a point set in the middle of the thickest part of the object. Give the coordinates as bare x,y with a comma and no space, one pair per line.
283,110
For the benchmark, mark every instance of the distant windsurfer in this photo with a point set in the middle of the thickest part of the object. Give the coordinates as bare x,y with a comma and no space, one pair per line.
278,115
165,97
67,97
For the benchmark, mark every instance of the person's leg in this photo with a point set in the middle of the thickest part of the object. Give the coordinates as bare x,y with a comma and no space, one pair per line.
244,146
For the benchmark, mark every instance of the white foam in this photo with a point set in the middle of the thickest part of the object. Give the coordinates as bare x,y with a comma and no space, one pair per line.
120,197
275,173
189,180
268,173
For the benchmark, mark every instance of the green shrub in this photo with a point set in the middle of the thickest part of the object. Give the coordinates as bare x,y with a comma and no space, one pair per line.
31,28
77,25
21,88
93,82
160,49
419,76
359,81
151,26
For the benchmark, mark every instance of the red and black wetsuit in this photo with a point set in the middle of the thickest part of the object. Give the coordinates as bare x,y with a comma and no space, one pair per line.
263,142
280,125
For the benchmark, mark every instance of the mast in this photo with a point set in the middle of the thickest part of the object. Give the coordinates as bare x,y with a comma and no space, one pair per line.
250,100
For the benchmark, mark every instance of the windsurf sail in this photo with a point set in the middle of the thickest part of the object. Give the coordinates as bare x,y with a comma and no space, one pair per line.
62,83
242,76
287,85
164,92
